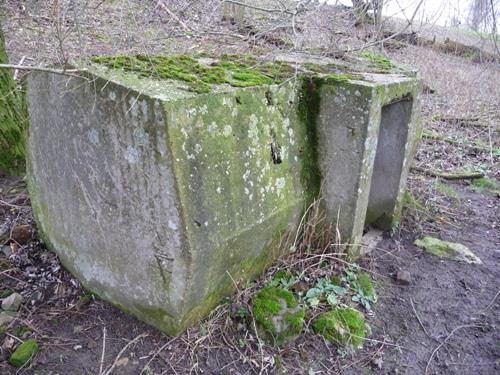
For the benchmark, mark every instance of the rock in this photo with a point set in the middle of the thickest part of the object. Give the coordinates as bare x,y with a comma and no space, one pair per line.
92,344
21,234
370,240
6,250
4,233
403,277
24,353
122,362
448,250
12,302
342,326
278,316
8,343
5,319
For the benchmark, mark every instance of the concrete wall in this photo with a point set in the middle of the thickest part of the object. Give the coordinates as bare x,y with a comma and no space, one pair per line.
159,201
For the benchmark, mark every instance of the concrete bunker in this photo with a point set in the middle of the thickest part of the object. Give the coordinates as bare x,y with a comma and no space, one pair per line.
159,193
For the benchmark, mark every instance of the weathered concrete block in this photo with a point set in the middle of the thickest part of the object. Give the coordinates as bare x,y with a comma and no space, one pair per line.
367,131
158,199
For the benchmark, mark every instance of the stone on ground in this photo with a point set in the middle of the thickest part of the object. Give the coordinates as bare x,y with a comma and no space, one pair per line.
5,319
12,302
342,326
24,353
448,250
278,316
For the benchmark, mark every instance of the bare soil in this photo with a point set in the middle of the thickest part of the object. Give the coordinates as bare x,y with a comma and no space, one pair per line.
446,321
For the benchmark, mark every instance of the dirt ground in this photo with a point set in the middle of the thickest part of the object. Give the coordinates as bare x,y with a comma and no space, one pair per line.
445,321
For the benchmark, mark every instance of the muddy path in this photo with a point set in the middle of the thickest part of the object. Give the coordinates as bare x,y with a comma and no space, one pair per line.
446,320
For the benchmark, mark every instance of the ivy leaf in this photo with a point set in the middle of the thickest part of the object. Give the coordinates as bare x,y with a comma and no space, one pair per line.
332,299
339,290
314,302
312,293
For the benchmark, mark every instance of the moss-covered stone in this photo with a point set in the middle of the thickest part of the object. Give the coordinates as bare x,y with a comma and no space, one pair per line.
277,314
342,326
449,250
12,121
24,353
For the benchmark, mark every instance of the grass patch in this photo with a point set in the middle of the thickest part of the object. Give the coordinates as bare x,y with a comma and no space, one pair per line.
486,184
446,190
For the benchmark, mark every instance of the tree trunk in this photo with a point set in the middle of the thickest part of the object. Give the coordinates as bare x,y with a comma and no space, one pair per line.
234,13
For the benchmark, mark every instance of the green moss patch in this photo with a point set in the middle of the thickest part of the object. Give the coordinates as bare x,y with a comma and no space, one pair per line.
342,326
488,184
378,61
278,316
366,286
24,353
12,121
235,70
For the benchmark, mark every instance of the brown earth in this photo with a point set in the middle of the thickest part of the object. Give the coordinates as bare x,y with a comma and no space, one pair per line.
446,321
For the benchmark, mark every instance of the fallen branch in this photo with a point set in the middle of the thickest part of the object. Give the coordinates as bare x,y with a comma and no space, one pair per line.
449,175
268,10
439,137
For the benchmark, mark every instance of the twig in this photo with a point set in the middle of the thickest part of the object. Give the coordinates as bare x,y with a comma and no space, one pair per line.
162,5
286,11
156,354
3,203
419,321
103,349
65,72
142,335
492,301
445,340
16,72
